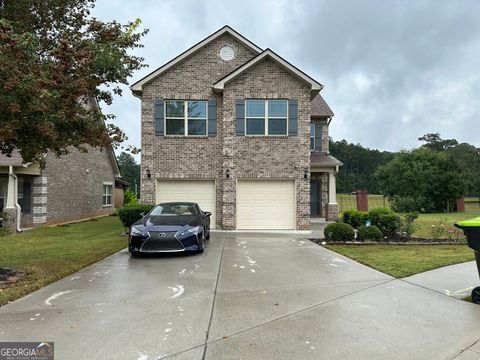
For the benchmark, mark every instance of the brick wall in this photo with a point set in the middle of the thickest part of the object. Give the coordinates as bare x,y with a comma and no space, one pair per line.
210,157
180,157
71,187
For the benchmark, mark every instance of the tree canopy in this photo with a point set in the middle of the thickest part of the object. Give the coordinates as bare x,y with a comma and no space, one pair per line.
421,180
53,57
359,165
130,170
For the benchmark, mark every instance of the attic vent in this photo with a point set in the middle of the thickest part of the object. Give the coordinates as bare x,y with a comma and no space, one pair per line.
227,53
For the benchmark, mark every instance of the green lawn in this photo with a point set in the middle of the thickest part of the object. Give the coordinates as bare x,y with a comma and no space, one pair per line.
405,260
425,221
49,254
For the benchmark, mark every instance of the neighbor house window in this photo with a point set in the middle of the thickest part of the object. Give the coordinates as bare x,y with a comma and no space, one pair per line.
107,194
312,136
185,118
266,117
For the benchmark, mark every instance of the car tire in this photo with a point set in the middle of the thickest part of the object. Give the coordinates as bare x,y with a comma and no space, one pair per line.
202,244
208,235
134,253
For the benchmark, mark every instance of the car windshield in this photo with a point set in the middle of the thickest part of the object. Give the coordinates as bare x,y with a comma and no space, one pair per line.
174,209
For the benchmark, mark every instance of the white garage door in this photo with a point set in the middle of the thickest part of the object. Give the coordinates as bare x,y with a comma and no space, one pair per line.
199,191
266,204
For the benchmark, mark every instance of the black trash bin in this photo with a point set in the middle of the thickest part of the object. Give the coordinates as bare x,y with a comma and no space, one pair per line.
471,229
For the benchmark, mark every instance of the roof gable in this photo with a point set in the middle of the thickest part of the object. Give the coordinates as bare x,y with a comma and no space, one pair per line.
320,107
220,84
136,88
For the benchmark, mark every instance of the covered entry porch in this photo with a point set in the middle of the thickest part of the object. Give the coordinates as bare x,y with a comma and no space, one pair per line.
16,192
323,197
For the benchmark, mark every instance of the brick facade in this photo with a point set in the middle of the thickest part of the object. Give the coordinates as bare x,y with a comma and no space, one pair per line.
286,157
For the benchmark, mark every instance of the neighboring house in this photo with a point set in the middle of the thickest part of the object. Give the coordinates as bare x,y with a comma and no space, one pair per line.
73,187
242,132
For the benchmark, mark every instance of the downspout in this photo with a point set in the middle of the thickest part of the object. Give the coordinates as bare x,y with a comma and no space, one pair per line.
17,205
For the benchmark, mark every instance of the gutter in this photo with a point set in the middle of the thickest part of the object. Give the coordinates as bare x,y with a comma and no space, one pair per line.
15,189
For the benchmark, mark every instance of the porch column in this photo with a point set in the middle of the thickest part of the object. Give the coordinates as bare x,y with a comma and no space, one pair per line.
10,203
10,209
332,188
332,207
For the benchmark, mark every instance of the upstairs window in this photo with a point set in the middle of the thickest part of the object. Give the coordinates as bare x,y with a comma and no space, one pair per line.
185,118
266,117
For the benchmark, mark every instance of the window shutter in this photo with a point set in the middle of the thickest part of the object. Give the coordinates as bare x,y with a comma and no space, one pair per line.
212,118
293,117
318,137
240,117
26,203
159,127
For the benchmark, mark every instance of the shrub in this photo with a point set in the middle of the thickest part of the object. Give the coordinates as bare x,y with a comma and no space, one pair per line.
408,227
369,233
355,218
130,197
129,214
405,204
374,214
339,232
389,223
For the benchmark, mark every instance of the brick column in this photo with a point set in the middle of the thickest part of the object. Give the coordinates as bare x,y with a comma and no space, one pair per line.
460,204
362,200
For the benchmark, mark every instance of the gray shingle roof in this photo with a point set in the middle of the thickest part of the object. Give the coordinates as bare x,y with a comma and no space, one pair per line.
14,160
322,159
320,107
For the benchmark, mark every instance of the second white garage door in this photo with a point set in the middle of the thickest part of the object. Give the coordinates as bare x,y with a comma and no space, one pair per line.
199,191
265,205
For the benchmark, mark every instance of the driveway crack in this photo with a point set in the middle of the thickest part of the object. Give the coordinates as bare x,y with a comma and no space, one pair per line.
207,334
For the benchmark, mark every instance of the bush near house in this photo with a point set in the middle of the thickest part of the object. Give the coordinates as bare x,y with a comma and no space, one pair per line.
339,232
385,220
130,214
369,233
355,218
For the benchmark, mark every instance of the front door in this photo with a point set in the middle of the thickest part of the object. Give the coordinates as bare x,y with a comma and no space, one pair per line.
315,198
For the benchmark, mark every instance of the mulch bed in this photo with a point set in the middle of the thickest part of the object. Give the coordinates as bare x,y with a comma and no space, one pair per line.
9,275
413,241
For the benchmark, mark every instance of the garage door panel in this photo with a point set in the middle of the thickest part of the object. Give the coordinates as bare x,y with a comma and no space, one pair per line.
265,204
199,191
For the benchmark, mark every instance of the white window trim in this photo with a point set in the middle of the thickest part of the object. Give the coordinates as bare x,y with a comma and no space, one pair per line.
185,118
265,118
105,195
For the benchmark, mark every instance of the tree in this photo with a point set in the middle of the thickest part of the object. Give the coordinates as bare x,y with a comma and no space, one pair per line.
434,142
130,170
359,163
53,57
421,180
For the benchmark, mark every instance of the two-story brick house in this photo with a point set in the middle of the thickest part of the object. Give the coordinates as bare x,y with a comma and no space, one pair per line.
239,130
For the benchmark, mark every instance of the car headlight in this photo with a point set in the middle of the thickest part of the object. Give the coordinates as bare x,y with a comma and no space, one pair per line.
137,232
194,230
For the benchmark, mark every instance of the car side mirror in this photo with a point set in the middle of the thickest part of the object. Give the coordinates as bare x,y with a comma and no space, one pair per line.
142,214
207,213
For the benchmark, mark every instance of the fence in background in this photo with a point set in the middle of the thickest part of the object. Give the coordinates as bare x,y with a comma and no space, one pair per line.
472,204
349,201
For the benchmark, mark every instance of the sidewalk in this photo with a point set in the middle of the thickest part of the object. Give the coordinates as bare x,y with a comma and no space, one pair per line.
455,280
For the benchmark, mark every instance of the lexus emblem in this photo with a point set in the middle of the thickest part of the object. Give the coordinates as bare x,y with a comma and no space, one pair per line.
162,235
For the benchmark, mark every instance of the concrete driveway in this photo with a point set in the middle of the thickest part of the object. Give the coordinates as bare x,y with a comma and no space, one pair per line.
249,296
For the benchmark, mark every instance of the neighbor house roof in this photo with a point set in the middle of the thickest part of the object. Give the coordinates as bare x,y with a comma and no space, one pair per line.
320,107
220,84
137,87
14,160
323,159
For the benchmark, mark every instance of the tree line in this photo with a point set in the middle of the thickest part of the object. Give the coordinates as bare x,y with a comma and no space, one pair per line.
428,178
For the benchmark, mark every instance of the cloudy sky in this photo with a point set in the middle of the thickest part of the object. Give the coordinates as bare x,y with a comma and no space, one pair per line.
393,70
